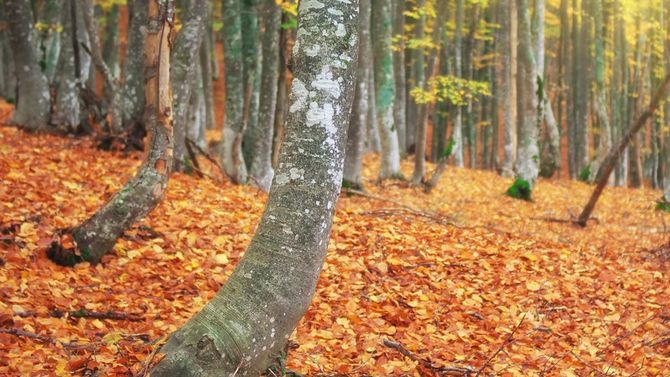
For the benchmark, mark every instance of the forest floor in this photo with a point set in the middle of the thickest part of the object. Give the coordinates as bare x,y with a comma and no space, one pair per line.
465,278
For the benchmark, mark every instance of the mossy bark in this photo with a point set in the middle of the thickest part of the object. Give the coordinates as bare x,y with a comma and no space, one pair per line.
97,235
246,326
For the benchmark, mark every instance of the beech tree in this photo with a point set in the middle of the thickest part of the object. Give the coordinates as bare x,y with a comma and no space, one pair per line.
247,324
98,234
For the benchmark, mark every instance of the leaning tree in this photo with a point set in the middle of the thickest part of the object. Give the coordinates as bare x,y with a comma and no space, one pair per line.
242,330
97,235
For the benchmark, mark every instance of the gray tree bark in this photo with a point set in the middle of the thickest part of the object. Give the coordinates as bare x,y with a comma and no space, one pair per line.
246,326
359,114
261,169
132,97
185,56
457,133
98,234
400,104
69,81
528,154
33,100
384,88
234,122
507,83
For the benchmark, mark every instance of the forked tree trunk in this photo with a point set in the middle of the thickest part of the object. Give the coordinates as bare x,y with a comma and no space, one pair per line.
33,102
610,161
97,235
246,326
261,169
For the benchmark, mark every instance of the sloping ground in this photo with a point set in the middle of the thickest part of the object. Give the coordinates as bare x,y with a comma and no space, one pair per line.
447,278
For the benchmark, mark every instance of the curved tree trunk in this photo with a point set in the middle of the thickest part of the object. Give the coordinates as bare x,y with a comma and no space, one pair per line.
261,161
246,326
385,88
182,72
233,125
33,102
97,235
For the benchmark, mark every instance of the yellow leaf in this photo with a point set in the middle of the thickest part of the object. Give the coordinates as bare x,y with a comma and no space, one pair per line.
112,338
221,259
532,286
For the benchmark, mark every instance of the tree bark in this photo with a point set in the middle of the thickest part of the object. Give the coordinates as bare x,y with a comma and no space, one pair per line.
97,235
68,76
233,126
507,83
246,326
528,152
185,56
359,114
132,98
418,66
614,153
252,56
33,100
400,104
457,133
261,163
385,88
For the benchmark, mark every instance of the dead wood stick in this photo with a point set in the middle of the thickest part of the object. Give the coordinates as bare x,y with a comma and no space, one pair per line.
46,339
207,156
403,206
441,370
83,313
509,339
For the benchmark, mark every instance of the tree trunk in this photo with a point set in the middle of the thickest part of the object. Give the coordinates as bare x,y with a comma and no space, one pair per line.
252,56
600,100
246,326
261,164
400,104
132,98
233,126
51,18
111,44
206,52
583,87
527,104
282,91
97,235
68,76
457,133
507,84
551,145
359,114
614,153
385,88
182,72
418,66
33,99
620,93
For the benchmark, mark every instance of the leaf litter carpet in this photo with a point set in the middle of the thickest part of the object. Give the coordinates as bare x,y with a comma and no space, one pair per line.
461,281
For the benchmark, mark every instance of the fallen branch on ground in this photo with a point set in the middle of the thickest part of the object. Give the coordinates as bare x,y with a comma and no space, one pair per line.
47,339
440,370
84,313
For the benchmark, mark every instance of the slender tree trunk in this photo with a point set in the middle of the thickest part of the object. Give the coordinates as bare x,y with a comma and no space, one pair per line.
246,326
551,145
373,142
97,235
51,19
614,154
359,114
132,98
252,56
261,164
507,88
385,88
68,78
233,126
457,133
636,102
400,104
528,153
600,100
183,74
111,44
195,124
467,61
282,91
666,141
33,99
418,66
206,52
583,77
422,125
620,93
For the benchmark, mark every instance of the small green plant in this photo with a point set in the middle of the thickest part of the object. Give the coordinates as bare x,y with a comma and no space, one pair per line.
520,189
663,205
585,173
449,149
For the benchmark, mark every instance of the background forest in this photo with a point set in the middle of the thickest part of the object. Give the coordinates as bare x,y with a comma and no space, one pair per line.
140,138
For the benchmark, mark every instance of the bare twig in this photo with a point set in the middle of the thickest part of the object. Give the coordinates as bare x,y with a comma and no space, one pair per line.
47,339
395,211
207,156
402,207
440,370
509,339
